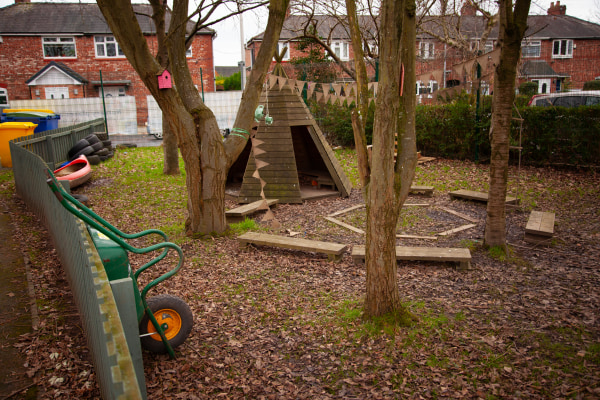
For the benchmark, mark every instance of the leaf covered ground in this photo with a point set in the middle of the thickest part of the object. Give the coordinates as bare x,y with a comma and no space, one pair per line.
278,324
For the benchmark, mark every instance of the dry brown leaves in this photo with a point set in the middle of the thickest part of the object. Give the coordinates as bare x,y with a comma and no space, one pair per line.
273,323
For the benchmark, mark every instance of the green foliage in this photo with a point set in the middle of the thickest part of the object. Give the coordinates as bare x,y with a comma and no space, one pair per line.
244,226
336,122
592,85
313,65
528,88
233,82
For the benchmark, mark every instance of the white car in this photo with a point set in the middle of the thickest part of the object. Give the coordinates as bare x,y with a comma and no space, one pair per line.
566,99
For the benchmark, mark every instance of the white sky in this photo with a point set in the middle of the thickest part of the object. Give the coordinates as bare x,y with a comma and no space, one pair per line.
227,47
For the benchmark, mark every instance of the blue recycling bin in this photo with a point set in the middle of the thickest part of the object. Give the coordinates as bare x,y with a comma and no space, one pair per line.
45,121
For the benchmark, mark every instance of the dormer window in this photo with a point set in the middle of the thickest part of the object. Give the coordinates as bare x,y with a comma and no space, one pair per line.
341,50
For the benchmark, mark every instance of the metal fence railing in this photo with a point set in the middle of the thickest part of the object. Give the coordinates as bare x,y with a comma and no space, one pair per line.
52,146
116,350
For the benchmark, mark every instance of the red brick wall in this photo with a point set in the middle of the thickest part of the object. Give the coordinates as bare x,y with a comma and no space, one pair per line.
22,57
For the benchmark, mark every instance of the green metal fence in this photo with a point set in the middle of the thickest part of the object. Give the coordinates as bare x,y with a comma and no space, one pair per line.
113,342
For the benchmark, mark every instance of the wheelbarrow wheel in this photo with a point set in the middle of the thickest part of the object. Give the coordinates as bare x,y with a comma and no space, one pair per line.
174,312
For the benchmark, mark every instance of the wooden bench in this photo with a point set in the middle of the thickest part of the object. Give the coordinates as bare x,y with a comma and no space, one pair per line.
334,251
239,213
460,255
477,196
540,227
425,190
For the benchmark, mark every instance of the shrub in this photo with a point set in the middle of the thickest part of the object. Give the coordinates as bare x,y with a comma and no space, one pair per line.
592,85
528,88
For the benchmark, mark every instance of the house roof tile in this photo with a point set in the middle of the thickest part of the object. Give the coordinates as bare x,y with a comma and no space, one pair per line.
67,18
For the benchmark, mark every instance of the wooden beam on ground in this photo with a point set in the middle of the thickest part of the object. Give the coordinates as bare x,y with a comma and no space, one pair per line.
345,225
240,212
334,251
416,237
426,190
459,229
346,210
460,255
460,215
540,227
477,196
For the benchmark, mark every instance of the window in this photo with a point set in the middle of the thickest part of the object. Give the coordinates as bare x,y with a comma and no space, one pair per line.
424,89
3,96
59,47
531,48
562,48
188,52
57,93
280,47
371,47
341,50
489,47
426,50
107,46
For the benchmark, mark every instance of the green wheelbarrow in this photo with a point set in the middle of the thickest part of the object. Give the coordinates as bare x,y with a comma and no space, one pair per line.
164,321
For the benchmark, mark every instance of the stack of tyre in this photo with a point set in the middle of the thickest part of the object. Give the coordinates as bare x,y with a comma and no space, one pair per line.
93,148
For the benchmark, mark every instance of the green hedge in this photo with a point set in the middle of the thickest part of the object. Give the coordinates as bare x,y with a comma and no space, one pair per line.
551,135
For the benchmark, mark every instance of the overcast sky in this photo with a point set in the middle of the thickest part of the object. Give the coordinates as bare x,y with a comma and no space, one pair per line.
227,45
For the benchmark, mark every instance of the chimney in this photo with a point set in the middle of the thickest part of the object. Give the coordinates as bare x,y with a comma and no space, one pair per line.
557,9
468,8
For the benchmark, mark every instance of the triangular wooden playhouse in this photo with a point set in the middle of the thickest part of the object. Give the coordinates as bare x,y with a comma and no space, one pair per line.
297,153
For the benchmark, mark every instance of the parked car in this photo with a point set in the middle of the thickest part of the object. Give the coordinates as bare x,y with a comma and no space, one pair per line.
566,99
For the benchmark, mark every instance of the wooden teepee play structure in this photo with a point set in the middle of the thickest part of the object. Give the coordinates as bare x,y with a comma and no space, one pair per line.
292,152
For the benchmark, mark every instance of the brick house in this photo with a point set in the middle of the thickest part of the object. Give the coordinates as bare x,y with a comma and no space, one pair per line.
58,50
559,52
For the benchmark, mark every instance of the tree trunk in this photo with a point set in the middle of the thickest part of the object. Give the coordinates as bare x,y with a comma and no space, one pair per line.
170,150
206,157
511,31
389,185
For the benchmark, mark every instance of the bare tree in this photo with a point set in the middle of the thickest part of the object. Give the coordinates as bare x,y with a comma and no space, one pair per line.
386,183
206,155
513,24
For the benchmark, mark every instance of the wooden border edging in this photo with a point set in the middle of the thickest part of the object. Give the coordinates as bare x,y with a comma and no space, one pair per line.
460,255
334,251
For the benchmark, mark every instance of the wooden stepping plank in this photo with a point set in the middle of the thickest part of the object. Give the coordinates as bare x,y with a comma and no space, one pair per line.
247,209
477,196
426,190
334,251
540,227
460,255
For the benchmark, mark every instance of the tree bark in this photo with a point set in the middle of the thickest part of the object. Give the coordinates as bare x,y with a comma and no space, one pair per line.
387,184
170,150
513,25
206,157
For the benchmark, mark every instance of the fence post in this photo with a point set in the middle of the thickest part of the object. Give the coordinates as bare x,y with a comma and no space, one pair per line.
50,149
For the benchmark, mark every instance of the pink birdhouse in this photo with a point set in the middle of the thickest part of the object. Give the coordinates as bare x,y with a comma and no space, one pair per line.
164,80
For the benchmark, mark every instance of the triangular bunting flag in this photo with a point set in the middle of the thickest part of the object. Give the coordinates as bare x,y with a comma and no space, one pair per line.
263,183
263,205
337,87
256,174
256,142
272,81
310,90
257,151
260,163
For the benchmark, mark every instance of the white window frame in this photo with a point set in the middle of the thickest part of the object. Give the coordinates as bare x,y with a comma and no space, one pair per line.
531,44
57,40
341,50
426,50
427,89
56,93
188,52
104,42
565,45
3,95
280,46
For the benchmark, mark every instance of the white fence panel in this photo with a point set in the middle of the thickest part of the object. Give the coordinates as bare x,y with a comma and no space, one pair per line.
120,111
223,104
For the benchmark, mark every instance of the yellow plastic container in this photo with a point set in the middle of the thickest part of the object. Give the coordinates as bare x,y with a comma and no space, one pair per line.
12,110
9,131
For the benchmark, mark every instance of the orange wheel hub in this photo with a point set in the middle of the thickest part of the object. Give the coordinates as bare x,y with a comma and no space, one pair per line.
169,317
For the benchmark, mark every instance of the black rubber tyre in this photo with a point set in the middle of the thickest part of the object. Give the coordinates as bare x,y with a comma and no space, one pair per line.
97,146
92,139
86,151
175,313
103,158
106,143
102,152
93,159
110,154
78,147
